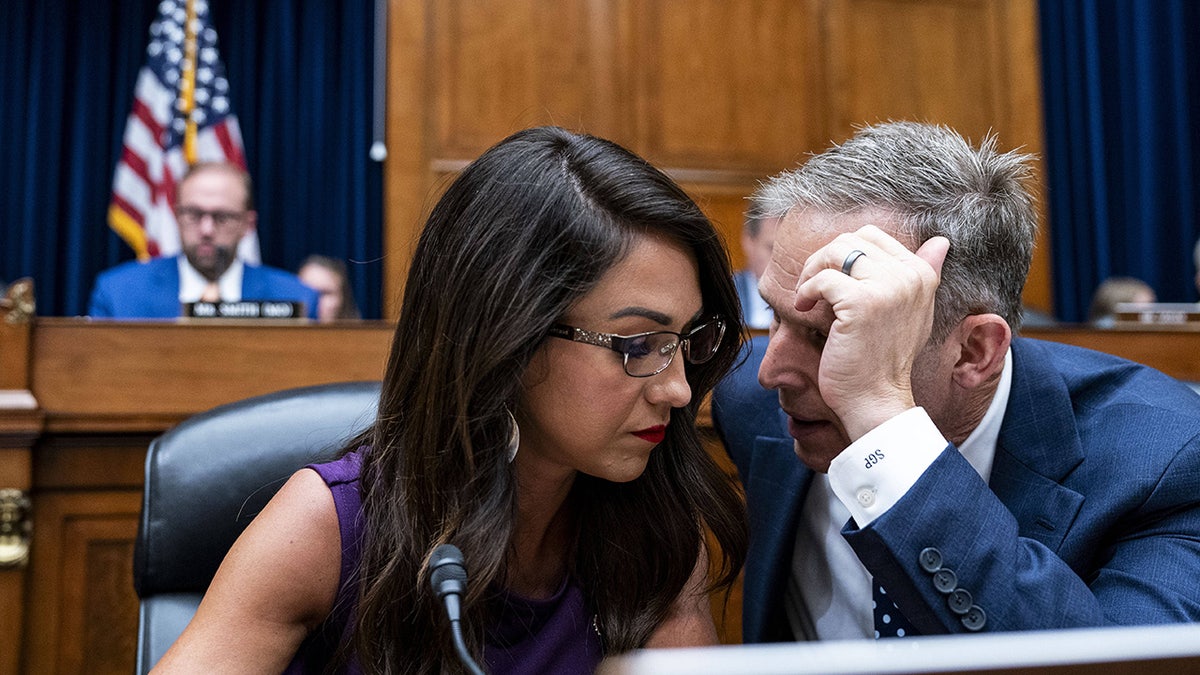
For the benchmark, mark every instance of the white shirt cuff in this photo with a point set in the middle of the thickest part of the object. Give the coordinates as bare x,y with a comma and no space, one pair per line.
875,471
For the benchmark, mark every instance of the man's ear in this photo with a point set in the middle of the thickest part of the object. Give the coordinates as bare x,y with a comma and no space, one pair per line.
984,340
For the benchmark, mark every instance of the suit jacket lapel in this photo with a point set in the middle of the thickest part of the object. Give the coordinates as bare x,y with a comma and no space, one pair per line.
778,484
1038,447
164,294
252,283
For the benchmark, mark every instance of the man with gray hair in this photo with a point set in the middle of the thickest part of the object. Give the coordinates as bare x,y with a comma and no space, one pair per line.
952,477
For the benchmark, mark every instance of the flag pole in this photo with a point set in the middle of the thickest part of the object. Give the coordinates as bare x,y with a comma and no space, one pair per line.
187,84
378,145
181,114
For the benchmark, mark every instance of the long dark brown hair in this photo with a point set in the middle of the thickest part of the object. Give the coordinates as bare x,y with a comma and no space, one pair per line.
519,237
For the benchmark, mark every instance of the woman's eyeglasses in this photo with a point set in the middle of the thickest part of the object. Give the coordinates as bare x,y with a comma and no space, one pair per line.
651,353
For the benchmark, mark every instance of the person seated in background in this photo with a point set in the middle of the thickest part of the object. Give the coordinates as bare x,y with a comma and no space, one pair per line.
1102,313
1036,318
328,277
214,210
758,236
945,476
567,309
1196,260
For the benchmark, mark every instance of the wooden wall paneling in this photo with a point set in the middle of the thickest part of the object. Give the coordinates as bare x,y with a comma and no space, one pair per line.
727,85
1023,125
725,205
405,176
82,610
970,64
503,65
708,85
895,59
469,74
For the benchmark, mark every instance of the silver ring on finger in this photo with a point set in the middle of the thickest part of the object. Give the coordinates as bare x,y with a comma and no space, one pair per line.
851,258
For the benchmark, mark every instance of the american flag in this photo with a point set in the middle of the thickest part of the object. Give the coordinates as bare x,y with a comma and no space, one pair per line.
181,115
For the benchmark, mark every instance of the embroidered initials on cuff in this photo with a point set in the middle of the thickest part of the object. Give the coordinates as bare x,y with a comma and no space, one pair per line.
875,471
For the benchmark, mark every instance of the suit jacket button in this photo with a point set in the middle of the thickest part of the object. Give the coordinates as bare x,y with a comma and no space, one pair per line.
975,618
930,559
945,580
959,601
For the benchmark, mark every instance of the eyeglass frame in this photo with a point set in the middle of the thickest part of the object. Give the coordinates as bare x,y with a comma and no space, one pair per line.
221,220
618,343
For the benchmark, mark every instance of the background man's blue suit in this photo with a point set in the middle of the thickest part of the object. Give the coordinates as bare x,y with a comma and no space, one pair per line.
747,290
1091,515
150,290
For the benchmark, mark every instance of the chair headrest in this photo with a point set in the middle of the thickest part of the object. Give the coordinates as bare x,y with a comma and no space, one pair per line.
208,477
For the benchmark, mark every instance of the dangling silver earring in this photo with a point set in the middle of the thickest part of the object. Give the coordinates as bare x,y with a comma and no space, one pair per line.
514,437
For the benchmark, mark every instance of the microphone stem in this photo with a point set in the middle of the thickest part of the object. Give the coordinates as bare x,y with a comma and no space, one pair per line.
460,646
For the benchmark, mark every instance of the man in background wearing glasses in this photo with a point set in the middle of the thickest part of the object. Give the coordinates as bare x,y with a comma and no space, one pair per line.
214,210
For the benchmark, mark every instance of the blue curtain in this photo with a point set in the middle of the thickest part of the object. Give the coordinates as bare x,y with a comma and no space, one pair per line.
300,77
1122,98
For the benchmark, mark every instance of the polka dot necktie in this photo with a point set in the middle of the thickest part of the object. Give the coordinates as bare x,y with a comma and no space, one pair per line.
889,622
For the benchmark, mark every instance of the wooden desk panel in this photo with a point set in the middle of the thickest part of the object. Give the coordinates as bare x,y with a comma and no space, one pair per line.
104,390
93,376
1175,351
82,611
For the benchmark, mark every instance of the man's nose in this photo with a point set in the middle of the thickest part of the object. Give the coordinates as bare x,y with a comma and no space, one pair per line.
780,364
207,224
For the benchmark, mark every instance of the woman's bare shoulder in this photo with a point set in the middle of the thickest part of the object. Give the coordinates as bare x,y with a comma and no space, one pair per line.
278,581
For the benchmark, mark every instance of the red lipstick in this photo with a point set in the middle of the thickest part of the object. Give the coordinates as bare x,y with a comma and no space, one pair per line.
652,434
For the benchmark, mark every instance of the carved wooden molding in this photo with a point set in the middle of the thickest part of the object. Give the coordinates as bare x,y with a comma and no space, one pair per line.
17,305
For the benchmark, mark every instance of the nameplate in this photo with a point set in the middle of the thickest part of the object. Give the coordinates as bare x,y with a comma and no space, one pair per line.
244,309
1166,313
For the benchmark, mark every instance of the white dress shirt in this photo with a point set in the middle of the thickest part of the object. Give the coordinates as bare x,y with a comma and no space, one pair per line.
829,591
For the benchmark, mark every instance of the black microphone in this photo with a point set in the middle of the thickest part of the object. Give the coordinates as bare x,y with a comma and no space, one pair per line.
448,576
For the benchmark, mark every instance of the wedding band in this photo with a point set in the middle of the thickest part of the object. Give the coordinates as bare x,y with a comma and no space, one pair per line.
850,260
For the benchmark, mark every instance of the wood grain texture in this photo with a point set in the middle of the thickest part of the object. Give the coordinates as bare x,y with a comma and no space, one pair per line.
1171,350
727,85
81,615
14,336
150,372
718,94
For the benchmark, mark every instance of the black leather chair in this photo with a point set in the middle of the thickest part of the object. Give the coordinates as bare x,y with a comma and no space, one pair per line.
207,478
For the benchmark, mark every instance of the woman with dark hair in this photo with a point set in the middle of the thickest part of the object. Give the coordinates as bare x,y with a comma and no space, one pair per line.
567,309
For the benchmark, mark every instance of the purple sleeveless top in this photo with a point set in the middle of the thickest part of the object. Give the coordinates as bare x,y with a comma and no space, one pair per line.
555,635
